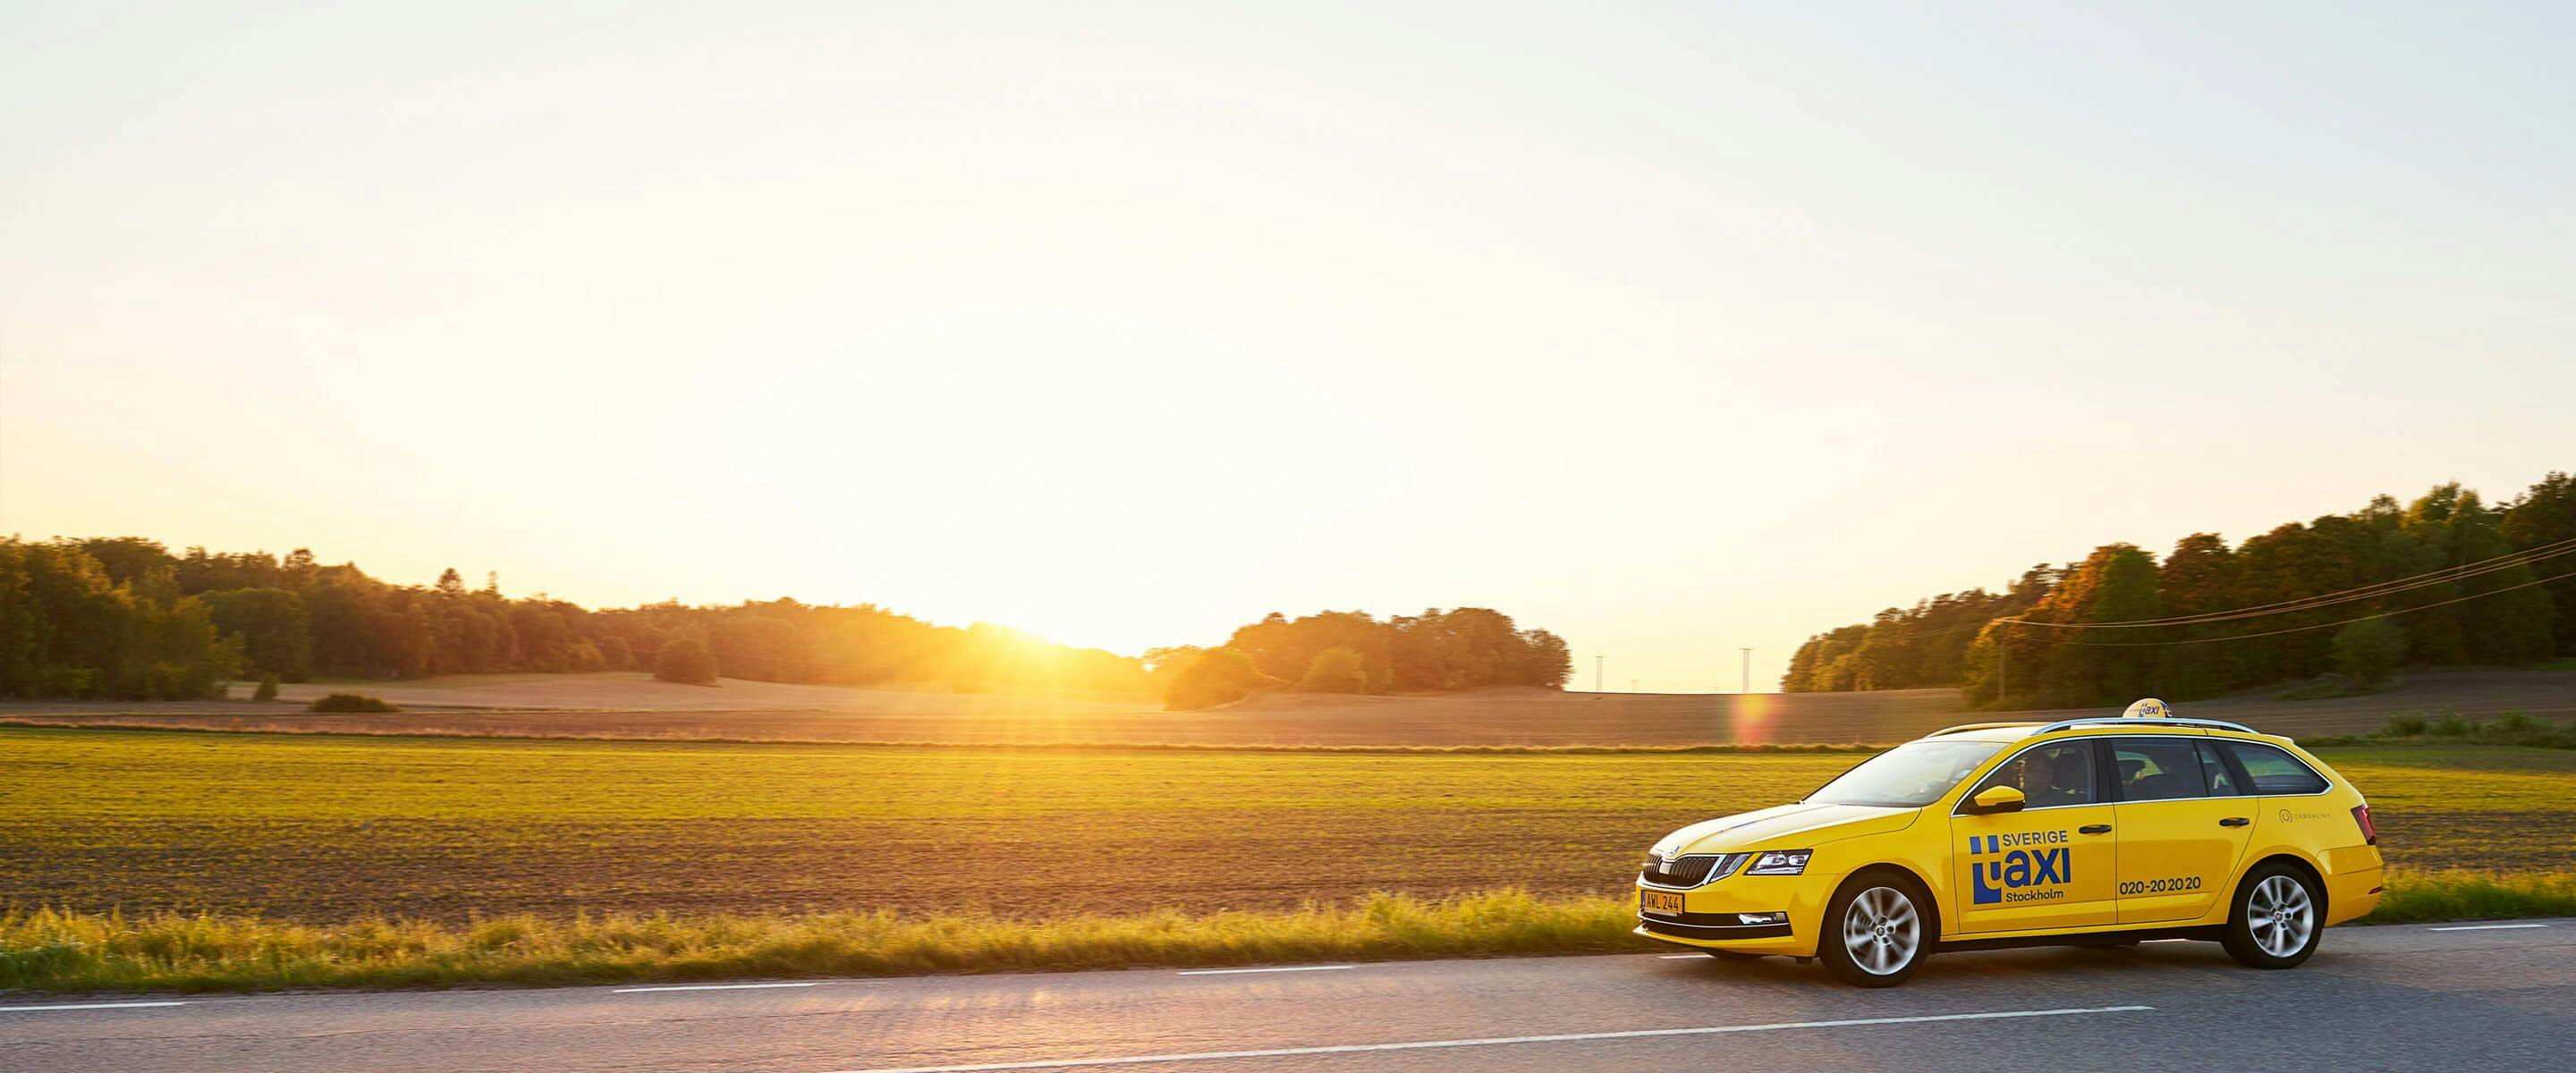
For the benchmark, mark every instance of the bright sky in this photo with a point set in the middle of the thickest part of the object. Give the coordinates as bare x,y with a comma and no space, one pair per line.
1670,329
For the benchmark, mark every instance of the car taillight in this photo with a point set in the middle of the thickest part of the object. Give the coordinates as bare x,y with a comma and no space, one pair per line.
2369,834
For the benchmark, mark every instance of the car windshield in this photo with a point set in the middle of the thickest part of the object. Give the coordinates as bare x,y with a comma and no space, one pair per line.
1911,775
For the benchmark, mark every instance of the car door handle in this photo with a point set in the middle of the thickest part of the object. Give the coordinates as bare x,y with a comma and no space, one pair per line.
2095,829
2234,821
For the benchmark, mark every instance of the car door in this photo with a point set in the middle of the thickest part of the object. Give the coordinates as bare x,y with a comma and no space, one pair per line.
2049,865
2183,819
2286,789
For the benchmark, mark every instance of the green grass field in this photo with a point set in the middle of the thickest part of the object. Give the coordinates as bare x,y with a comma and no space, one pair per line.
526,860
331,828
324,828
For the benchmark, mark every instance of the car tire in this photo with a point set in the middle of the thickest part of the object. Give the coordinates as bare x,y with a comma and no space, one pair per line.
1877,930
2276,919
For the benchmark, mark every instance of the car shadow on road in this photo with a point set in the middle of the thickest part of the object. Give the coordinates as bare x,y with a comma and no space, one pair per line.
2158,962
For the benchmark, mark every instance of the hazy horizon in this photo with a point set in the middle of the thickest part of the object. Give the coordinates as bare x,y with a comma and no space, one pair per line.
1670,331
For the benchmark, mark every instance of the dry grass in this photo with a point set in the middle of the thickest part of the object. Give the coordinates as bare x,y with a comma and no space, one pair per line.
2461,895
60,951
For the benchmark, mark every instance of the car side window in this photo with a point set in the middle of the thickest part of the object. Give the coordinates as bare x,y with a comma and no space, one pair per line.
2275,771
2157,769
2048,775
2214,772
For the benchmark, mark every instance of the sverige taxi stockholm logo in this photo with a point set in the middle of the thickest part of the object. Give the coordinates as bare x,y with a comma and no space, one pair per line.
2005,878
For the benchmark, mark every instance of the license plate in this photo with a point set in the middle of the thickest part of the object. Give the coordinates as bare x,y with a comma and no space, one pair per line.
1660,902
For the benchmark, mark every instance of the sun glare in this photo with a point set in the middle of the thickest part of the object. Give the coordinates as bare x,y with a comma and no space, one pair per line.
1750,717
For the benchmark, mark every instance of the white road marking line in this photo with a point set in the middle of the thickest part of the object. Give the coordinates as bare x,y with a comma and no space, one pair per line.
708,987
1285,968
1677,957
1353,1048
87,1006
2485,927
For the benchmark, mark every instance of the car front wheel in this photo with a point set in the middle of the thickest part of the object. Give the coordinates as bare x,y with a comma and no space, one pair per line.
2277,919
1877,932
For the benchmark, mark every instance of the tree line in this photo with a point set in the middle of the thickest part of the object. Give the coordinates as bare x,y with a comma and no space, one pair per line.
1998,649
1354,652
124,618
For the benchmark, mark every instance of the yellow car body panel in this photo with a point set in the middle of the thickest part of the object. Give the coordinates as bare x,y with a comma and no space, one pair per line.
2046,871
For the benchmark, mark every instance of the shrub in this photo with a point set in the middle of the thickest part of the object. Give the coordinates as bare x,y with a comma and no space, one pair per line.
1335,670
61,681
351,702
1219,676
685,660
2451,726
2517,727
2368,649
267,688
2403,726
165,680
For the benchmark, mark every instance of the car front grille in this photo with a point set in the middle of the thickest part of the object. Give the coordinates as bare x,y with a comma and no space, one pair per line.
1690,870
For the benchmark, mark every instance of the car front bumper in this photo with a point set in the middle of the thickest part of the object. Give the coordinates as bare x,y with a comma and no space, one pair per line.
1707,920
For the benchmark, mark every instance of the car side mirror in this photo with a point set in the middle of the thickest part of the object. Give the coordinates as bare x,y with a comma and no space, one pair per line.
1996,799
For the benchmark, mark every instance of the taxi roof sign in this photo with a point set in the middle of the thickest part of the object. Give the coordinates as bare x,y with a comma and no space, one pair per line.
2149,708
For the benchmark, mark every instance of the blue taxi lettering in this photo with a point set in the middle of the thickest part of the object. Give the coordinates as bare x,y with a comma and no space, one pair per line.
2011,871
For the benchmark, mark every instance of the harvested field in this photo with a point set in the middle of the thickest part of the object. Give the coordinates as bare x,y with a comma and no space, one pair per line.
510,705
619,691
327,828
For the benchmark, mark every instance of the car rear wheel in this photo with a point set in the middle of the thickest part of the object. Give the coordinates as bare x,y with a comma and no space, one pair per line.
2277,920
1877,932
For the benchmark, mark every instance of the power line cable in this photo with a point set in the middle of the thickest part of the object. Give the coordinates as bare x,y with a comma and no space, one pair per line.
2302,629
2391,587
2542,550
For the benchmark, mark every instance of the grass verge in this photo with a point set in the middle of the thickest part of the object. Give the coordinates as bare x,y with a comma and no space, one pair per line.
50,950
56,951
2474,896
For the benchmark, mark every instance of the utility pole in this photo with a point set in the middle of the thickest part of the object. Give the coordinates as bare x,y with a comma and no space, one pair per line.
2003,666
1748,670
1596,673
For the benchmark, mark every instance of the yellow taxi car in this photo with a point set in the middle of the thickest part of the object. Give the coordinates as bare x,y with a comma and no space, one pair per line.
2094,831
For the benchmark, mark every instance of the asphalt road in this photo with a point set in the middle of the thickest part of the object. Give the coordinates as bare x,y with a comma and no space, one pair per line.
2488,998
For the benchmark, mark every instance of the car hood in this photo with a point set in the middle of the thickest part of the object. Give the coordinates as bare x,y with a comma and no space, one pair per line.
1775,828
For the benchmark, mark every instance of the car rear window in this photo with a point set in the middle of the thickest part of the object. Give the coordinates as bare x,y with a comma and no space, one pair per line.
2274,770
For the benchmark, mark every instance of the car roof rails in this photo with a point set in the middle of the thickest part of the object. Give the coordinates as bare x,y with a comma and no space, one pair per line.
1966,727
2165,720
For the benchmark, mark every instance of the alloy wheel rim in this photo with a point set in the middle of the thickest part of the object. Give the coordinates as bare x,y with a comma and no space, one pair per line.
1881,930
2280,915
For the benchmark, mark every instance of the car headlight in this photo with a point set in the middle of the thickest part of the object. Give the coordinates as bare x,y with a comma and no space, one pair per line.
1780,862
